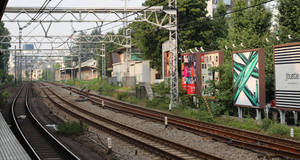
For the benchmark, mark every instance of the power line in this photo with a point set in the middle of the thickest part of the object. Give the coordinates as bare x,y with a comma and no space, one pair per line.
38,14
82,30
134,13
45,17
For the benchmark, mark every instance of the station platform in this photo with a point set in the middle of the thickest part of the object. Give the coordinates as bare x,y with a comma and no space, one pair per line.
10,147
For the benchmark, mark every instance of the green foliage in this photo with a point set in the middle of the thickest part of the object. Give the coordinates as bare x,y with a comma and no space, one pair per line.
249,27
246,123
4,57
27,74
4,77
222,89
219,25
56,66
201,115
47,74
158,103
102,86
71,128
161,98
279,129
266,123
69,82
3,97
289,20
122,95
161,89
149,38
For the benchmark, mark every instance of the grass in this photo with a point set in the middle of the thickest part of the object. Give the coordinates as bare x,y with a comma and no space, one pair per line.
71,128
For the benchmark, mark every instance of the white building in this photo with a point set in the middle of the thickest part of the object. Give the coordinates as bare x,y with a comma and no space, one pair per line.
132,72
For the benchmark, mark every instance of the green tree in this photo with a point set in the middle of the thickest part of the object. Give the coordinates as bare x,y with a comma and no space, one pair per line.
27,74
4,57
56,66
149,38
289,20
219,25
248,27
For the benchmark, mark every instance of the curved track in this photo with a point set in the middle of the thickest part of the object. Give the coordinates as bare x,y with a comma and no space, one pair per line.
38,142
236,137
162,147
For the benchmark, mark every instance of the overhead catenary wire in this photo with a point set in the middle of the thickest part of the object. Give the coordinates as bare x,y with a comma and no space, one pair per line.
45,17
38,14
92,28
122,18
191,22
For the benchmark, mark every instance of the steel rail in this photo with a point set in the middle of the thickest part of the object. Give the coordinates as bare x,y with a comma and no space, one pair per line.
34,152
186,152
28,146
67,152
236,137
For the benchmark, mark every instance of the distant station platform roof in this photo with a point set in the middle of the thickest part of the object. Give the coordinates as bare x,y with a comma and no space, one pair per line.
10,147
3,4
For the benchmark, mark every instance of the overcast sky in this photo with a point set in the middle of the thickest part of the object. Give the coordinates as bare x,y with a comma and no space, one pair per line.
65,28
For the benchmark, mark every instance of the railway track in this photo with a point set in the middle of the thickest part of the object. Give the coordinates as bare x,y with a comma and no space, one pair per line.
161,147
37,141
236,137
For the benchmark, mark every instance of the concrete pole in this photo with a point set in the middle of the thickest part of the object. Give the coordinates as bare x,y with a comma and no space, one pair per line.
53,74
15,65
79,61
282,116
240,112
20,43
258,114
295,117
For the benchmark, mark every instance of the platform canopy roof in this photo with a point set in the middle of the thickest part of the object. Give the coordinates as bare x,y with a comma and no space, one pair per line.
3,4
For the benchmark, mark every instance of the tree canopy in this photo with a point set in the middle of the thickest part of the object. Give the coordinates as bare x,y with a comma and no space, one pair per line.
289,20
149,38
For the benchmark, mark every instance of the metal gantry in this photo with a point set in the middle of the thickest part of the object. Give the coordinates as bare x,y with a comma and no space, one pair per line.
150,15
173,48
70,14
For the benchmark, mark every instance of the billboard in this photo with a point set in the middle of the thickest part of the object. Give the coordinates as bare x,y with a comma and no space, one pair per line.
287,75
167,64
205,61
188,73
248,78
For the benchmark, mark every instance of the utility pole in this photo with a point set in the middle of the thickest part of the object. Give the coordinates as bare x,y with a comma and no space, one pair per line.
20,49
128,48
15,65
103,69
173,49
79,61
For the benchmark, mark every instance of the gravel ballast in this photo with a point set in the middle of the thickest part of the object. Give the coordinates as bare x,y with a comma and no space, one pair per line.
201,143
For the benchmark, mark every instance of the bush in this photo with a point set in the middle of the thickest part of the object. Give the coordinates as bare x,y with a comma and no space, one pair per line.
71,128
279,129
266,123
122,95
3,97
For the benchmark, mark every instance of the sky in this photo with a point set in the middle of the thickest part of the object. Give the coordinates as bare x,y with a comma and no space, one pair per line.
66,28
